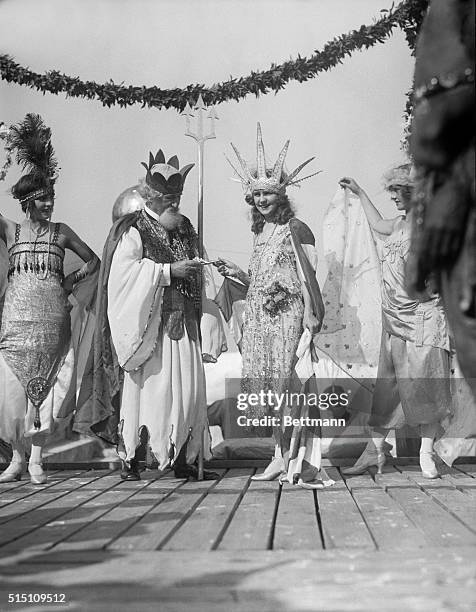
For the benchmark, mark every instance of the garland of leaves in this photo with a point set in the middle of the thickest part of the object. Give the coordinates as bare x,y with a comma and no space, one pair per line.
407,16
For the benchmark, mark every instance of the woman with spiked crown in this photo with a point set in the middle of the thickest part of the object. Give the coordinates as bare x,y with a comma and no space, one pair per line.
148,374
36,352
283,300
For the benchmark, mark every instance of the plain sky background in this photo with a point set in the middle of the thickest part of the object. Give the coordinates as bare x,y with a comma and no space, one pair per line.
349,118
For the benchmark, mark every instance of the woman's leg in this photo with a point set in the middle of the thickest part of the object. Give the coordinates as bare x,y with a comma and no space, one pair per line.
35,468
17,463
427,462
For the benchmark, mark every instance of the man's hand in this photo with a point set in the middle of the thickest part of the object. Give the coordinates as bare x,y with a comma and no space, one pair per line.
186,268
350,183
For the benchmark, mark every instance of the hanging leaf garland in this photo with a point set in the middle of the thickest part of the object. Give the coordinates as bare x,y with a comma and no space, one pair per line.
407,16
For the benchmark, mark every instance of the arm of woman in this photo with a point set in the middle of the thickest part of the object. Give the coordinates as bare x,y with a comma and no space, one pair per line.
375,219
228,268
7,229
74,243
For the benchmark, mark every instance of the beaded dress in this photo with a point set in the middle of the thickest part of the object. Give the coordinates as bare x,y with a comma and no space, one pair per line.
36,361
272,328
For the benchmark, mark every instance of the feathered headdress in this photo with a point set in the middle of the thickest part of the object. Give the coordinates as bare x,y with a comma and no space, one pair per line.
275,179
31,142
166,178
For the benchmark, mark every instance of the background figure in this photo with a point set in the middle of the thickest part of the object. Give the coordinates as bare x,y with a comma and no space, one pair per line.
36,353
282,299
414,366
442,146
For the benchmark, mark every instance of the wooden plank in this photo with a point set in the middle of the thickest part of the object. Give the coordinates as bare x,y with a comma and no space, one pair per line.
252,524
439,526
362,481
12,493
450,478
341,521
66,515
267,581
457,503
390,527
388,524
393,478
44,495
6,487
133,537
117,518
203,529
297,525
151,530
467,468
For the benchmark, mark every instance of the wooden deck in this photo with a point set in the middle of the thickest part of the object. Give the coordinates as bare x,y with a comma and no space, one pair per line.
388,542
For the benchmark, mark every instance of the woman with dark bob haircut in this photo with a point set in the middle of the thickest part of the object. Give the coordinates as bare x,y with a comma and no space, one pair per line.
283,302
36,353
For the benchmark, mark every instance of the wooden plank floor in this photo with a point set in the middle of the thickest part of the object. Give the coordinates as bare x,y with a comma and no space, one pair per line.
376,531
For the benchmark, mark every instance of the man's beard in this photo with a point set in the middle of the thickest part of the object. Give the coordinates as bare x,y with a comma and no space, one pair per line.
171,219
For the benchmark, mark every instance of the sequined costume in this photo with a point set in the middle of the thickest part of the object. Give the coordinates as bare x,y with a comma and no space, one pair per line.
36,359
414,367
271,333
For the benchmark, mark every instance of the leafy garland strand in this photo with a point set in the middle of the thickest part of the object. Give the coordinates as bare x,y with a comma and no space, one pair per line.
407,16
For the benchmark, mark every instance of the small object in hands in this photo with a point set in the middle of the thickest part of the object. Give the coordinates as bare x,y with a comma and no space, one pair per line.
205,262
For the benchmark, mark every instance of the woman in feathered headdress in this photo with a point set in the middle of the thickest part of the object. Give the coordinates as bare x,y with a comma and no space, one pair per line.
284,309
36,356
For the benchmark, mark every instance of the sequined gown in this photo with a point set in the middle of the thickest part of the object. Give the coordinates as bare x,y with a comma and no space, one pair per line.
271,336
36,361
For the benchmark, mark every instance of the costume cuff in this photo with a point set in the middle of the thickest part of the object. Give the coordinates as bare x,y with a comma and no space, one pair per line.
164,280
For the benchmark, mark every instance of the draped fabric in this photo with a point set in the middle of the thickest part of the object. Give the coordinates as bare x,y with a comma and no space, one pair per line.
347,347
145,371
164,381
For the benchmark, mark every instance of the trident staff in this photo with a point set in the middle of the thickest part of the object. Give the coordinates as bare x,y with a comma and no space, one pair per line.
199,112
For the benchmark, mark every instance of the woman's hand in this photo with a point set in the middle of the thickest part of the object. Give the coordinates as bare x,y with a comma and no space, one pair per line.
311,322
68,283
228,268
351,184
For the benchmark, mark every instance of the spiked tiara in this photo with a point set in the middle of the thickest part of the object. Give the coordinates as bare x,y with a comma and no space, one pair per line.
166,178
275,179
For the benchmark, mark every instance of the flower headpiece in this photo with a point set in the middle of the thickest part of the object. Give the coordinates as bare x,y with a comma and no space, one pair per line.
31,141
274,180
166,178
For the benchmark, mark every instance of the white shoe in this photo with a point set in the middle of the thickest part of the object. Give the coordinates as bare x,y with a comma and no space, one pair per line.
369,458
428,466
37,475
13,472
272,471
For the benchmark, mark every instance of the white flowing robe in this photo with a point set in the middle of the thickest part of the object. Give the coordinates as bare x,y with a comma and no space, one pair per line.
164,381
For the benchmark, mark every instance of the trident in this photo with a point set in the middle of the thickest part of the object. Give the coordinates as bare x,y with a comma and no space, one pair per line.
198,111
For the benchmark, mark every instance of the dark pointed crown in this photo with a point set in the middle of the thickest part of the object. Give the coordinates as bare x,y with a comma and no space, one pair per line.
166,177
